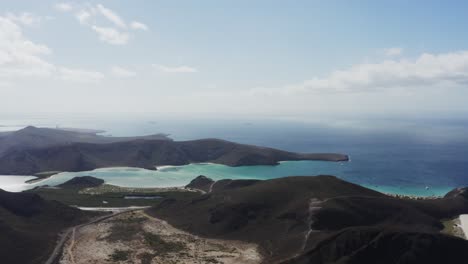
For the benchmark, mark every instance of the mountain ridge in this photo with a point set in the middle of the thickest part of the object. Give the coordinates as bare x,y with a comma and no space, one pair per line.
144,153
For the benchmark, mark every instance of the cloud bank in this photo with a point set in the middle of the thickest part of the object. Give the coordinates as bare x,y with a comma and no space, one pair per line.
426,70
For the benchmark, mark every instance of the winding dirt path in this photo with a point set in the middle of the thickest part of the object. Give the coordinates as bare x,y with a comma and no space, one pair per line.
56,253
72,244
95,244
313,206
211,187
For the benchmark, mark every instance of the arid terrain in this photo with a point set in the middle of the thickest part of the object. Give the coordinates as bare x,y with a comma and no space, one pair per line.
135,237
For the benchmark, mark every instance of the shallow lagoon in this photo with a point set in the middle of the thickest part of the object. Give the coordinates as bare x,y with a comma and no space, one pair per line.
170,176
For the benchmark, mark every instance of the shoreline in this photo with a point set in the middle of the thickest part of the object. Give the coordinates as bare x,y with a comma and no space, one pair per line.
42,176
464,224
414,197
410,192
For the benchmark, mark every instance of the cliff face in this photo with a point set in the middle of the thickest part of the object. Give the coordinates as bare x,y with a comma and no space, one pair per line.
321,219
144,154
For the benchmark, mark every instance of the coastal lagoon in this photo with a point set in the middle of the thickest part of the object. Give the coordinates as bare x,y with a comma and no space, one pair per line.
402,156
172,176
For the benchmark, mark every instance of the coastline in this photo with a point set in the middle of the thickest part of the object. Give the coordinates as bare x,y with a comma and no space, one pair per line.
413,197
464,224
42,176
178,175
410,192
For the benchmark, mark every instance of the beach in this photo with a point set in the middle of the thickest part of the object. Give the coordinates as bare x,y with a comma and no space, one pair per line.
464,224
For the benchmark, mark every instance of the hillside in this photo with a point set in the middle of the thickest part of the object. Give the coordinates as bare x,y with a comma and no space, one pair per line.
319,219
81,182
145,154
369,245
34,137
30,226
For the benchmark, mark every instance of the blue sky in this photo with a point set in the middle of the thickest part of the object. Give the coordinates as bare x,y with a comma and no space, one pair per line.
234,57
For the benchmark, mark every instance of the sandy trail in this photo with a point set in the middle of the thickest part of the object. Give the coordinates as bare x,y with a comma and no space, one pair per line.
211,187
72,244
313,206
127,234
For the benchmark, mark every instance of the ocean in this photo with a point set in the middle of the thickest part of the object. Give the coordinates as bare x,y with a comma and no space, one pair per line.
394,155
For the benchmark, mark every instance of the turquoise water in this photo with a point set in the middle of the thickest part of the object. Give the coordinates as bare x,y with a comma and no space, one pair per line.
394,155
171,176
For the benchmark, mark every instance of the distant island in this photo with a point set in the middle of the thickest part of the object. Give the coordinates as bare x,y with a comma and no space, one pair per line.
33,150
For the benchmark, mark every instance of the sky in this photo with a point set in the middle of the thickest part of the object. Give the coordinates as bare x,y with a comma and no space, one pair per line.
226,58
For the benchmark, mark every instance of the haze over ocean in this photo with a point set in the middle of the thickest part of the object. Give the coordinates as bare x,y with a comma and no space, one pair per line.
420,157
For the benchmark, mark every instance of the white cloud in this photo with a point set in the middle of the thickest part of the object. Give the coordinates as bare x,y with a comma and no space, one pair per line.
64,7
390,52
83,16
87,15
111,35
79,75
25,18
175,69
138,26
20,57
111,16
122,72
439,70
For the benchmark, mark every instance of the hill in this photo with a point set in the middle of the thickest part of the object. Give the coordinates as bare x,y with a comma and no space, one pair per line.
145,153
320,219
30,226
362,245
82,182
34,137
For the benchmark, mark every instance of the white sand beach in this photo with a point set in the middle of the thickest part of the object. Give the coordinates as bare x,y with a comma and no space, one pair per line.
464,224
15,183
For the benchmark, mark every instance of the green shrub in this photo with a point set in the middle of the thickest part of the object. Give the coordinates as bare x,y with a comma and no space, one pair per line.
161,246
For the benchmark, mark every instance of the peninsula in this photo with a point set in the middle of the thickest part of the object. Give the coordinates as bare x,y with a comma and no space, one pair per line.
36,150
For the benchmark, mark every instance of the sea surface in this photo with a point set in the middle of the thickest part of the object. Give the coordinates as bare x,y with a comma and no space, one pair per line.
422,157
